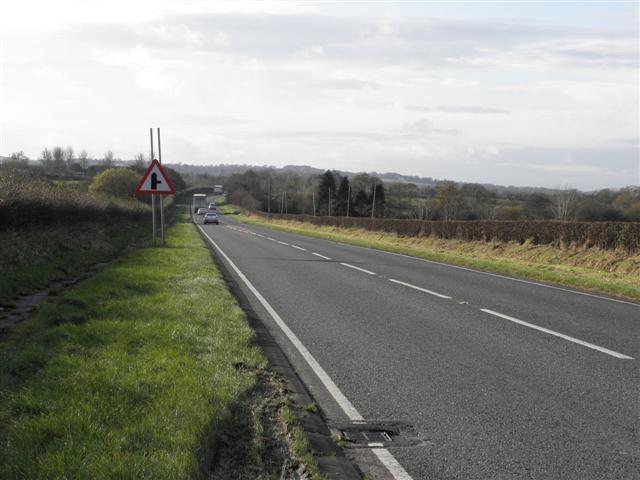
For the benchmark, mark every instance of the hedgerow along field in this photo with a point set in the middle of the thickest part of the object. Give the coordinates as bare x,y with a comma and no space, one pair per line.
603,235
52,231
27,202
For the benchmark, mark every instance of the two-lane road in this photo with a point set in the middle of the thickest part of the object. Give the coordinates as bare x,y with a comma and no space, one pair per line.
502,379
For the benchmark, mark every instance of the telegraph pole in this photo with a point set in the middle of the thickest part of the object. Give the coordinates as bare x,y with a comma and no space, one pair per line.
153,196
373,203
329,202
313,197
161,196
348,198
269,200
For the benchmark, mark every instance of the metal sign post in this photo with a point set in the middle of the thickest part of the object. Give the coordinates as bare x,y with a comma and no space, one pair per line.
153,197
161,198
155,182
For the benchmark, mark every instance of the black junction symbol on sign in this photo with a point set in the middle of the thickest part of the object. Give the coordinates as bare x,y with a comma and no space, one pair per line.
155,181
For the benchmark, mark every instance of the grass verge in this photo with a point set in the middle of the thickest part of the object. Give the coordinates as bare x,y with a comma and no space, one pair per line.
603,271
36,257
146,370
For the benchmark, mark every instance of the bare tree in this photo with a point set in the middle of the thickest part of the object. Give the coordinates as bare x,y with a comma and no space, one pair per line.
107,161
564,204
59,163
69,155
83,158
139,161
46,158
18,156
17,160
449,200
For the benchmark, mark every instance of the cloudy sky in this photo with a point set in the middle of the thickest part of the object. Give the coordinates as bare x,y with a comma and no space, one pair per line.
520,93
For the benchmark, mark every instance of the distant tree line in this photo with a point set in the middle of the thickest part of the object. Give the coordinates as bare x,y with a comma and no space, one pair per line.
60,163
363,195
356,195
327,194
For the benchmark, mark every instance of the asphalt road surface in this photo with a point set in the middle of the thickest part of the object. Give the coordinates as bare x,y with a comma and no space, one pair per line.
499,378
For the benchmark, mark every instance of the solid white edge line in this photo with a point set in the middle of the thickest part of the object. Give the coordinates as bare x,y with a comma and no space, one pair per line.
358,268
557,334
389,461
321,256
333,389
430,292
385,457
299,248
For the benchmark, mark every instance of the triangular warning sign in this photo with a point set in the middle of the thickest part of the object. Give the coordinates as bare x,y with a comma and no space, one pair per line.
155,181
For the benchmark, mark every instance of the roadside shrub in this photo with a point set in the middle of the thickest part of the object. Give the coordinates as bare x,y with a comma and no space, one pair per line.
115,182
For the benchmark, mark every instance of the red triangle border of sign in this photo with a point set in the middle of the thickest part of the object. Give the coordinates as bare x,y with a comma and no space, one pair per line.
147,173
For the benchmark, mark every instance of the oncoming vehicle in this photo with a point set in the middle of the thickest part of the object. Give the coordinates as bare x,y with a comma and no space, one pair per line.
201,211
212,206
211,217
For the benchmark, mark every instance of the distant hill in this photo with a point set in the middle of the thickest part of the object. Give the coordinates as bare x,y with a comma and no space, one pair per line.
387,177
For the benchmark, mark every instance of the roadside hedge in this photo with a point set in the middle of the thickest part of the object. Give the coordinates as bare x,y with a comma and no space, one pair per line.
604,235
26,202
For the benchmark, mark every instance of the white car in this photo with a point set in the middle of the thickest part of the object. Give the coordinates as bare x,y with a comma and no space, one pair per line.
201,211
211,217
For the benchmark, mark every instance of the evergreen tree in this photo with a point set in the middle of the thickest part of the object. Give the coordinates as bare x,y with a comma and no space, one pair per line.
361,204
326,194
342,197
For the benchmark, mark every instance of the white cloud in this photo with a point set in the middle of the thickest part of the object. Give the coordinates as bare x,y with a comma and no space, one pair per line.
222,40
152,80
253,82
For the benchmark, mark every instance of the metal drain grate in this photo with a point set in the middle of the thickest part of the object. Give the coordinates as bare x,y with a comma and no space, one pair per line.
366,436
378,434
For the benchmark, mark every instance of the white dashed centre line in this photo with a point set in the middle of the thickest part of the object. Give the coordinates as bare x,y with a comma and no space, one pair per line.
369,272
321,256
299,248
561,335
415,287
283,243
